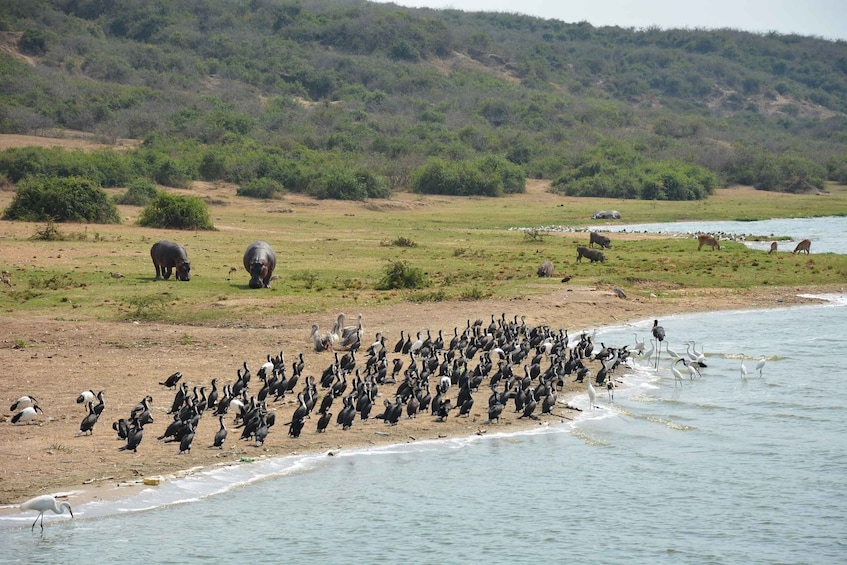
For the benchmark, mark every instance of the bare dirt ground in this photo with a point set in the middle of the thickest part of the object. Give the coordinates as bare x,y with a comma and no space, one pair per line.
128,360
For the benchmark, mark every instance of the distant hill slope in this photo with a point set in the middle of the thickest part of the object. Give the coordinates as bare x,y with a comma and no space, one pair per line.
385,88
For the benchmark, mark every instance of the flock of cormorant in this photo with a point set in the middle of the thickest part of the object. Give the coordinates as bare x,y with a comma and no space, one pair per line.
521,367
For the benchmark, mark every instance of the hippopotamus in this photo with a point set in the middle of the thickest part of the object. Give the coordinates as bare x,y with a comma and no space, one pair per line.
606,215
167,256
260,261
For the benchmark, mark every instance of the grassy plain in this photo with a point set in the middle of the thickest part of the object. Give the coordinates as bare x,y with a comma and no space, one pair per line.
333,253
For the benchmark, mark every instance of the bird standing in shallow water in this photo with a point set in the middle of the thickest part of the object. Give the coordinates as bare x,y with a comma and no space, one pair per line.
44,503
761,365
659,333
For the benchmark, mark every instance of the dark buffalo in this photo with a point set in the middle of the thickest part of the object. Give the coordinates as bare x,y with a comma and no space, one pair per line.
592,254
167,256
260,262
600,240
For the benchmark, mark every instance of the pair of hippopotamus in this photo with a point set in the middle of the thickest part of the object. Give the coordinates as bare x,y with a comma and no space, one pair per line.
259,260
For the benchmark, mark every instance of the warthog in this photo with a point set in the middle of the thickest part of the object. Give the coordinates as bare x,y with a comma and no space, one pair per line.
592,254
773,248
803,246
706,239
546,269
600,240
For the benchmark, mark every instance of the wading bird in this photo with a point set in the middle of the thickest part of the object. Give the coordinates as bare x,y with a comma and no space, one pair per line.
44,503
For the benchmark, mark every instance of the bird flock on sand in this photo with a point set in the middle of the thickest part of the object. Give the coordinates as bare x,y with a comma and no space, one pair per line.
523,368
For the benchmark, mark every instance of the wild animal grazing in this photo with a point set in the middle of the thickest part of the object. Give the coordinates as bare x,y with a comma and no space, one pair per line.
803,246
546,269
260,262
773,248
706,239
168,256
600,240
591,254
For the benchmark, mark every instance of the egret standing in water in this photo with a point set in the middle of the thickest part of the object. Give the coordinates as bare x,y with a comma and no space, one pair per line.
44,503
592,394
761,365
743,369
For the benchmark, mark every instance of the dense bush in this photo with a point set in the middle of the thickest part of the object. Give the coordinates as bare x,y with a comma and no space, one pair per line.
262,188
105,168
139,193
615,170
344,184
780,173
487,176
399,274
69,199
176,211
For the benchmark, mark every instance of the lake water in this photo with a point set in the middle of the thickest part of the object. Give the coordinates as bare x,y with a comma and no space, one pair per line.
719,470
826,234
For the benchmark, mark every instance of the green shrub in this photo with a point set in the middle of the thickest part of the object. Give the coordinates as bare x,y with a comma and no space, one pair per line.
398,274
175,211
261,188
139,193
344,184
69,199
486,176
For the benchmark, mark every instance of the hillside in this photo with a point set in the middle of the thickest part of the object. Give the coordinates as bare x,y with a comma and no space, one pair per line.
228,89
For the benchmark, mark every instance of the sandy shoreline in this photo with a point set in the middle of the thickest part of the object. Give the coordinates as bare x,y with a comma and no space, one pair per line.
60,359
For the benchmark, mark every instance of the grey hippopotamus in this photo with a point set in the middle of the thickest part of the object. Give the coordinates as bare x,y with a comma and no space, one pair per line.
167,256
260,262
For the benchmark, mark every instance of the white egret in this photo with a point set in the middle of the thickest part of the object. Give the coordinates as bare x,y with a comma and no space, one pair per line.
743,370
592,394
761,365
44,503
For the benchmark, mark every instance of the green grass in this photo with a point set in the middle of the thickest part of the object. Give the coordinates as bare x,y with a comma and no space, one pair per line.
333,254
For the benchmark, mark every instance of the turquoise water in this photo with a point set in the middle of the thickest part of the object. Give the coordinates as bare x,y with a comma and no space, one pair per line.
719,470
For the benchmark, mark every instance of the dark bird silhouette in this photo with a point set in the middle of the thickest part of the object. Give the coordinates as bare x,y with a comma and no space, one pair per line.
659,333
171,381
87,424
133,438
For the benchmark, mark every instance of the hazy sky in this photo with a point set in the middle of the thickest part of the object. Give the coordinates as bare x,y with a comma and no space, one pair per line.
821,18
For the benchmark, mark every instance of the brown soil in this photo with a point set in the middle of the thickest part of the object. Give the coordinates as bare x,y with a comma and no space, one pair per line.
128,360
